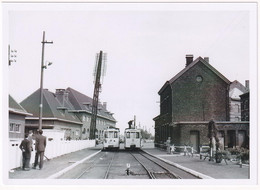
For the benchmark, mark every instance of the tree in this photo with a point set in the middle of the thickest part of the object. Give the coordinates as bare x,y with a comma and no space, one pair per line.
146,135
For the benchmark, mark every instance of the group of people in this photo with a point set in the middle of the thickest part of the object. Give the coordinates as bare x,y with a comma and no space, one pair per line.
27,147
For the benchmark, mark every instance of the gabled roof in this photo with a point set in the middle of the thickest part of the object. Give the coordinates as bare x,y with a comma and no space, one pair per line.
79,100
15,107
235,84
199,59
84,103
51,106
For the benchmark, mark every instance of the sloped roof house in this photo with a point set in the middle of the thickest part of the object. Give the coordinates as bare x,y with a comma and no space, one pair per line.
55,114
17,116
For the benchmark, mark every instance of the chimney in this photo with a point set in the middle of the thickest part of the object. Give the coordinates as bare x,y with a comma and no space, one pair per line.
247,85
105,105
206,59
189,59
62,96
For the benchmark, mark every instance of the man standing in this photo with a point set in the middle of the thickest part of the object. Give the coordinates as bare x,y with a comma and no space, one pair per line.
25,146
40,148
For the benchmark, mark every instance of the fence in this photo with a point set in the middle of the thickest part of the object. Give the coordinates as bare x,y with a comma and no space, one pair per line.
185,149
53,149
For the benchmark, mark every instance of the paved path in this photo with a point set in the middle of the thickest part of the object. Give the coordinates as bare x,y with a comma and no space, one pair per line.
212,169
54,165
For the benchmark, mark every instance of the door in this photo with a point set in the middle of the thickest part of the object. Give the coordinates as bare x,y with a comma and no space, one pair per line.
241,138
231,138
221,137
194,140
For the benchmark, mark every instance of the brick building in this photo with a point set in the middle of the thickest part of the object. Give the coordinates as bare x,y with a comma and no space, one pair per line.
190,100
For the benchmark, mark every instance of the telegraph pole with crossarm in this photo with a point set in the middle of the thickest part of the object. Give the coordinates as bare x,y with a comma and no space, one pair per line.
41,82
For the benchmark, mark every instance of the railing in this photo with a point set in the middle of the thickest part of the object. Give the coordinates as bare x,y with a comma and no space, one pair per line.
53,149
185,149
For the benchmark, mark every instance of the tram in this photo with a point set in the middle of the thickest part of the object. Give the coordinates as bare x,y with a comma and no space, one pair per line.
133,138
111,138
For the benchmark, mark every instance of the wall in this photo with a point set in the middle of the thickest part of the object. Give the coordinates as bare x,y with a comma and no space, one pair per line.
53,149
235,110
245,107
202,127
199,101
72,130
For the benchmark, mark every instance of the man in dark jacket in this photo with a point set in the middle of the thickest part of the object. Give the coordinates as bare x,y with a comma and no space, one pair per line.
40,148
25,146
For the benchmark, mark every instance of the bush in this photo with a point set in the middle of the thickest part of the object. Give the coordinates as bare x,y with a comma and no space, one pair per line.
240,153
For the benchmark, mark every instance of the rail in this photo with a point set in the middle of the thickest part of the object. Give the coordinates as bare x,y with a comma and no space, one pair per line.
109,166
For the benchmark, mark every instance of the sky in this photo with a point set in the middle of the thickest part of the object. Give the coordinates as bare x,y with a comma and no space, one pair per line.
146,45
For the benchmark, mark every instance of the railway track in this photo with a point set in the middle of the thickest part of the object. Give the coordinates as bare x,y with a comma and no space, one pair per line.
109,166
158,169
95,164
87,169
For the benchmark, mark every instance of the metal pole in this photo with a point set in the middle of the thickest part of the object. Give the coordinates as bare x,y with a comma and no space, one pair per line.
41,82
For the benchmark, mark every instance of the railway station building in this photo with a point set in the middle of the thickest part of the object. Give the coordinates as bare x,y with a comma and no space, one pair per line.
193,97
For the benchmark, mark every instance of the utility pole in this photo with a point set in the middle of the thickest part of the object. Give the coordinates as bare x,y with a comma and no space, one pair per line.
41,82
98,72
134,122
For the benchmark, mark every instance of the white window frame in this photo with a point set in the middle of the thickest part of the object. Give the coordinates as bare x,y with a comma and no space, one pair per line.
16,127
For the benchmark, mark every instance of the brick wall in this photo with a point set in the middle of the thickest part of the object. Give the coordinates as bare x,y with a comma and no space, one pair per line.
185,129
199,101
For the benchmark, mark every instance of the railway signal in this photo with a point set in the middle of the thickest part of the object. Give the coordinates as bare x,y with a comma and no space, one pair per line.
99,71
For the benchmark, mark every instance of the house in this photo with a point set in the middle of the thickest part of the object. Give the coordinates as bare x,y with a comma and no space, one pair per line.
17,116
83,109
235,90
55,114
67,110
190,100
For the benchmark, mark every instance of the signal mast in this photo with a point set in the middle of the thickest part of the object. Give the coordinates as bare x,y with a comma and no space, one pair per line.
99,71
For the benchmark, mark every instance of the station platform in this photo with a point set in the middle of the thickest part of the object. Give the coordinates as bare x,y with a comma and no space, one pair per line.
211,169
205,167
54,166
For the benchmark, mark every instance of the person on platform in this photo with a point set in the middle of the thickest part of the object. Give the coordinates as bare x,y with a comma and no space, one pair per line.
40,146
25,147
